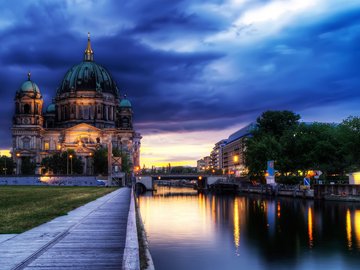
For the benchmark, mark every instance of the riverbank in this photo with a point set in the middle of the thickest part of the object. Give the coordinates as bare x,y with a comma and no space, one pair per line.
331,192
146,261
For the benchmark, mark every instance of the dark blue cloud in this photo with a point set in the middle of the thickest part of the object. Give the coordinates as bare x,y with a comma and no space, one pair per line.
177,81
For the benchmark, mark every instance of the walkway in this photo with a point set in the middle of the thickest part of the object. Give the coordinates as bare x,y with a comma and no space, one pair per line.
92,236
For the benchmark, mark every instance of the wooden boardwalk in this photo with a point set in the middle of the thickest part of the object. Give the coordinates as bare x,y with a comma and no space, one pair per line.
94,239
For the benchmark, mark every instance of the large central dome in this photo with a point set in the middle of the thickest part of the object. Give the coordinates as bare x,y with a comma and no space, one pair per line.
88,76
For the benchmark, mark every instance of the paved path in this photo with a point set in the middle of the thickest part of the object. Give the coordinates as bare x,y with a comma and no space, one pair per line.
90,237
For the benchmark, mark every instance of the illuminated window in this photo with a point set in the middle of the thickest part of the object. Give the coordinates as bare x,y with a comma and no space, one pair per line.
46,145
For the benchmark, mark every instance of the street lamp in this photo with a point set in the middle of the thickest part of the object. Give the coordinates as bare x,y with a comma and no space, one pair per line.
18,169
71,156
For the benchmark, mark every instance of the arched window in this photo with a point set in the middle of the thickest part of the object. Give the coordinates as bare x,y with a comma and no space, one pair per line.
27,109
26,143
86,112
91,112
80,112
67,116
109,113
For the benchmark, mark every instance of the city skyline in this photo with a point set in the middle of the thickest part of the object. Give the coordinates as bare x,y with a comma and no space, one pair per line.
195,72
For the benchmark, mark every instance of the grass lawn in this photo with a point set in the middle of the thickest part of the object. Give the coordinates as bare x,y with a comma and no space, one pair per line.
25,207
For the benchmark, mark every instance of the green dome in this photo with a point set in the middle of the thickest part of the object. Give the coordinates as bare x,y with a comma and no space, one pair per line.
51,108
29,86
88,76
125,103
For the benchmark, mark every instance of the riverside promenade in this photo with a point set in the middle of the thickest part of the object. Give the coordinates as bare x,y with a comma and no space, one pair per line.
99,235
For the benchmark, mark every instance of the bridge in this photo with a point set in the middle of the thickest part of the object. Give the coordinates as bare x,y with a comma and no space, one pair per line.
146,182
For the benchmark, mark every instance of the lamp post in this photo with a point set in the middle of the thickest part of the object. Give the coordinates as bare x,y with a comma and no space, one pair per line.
18,163
71,156
67,163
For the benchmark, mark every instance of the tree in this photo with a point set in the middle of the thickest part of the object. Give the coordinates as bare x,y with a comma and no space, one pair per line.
62,163
314,146
349,133
27,166
101,160
7,165
265,144
259,150
276,123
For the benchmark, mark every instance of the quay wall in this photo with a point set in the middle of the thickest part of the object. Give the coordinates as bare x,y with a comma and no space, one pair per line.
337,192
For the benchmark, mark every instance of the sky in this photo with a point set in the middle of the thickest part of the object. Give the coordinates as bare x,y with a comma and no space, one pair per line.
195,71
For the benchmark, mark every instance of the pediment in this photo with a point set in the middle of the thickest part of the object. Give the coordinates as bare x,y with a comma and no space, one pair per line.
83,127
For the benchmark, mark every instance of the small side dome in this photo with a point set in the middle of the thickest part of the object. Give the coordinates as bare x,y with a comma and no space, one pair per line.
29,86
125,103
51,108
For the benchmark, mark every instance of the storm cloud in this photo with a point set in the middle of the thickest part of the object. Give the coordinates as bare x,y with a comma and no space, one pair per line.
190,65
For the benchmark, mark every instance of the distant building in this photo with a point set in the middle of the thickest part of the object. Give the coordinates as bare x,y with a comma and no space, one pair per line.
207,160
204,164
217,155
86,114
233,152
200,165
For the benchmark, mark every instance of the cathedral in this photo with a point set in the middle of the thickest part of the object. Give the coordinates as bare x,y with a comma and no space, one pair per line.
86,113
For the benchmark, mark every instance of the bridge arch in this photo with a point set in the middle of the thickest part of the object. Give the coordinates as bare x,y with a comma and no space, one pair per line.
140,187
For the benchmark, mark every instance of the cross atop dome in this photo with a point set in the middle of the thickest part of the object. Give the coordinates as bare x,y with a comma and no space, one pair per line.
89,54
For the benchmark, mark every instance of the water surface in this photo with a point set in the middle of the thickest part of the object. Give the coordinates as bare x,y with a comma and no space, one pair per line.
187,230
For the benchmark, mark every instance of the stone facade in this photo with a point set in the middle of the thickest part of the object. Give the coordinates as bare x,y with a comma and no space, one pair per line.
87,113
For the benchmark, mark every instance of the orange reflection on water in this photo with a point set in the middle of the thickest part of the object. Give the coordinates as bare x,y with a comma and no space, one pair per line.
348,229
310,227
278,210
213,208
357,227
236,224
188,212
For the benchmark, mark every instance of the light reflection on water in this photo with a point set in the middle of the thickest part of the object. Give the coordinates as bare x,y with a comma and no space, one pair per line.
187,230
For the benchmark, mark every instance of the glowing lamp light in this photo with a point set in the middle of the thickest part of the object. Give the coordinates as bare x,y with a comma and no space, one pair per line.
354,178
18,154
70,156
159,177
200,177
311,173
236,158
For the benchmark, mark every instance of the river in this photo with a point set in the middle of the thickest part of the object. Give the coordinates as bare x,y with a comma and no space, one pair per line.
187,230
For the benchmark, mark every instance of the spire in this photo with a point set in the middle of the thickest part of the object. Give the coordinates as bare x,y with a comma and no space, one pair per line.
29,76
89,54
